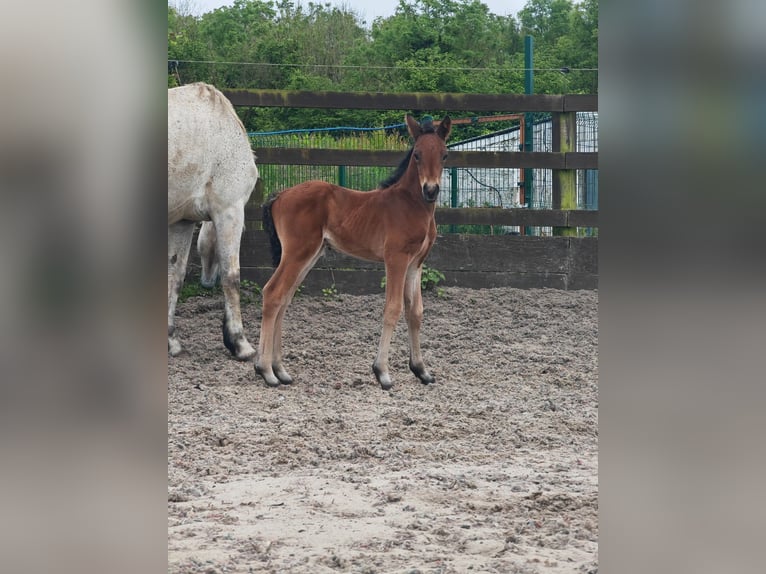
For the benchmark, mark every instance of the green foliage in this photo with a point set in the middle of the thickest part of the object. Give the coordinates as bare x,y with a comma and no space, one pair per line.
429,280
330,293
426,45
248,291
195,289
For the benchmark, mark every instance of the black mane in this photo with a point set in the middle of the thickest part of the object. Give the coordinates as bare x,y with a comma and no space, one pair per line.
397,175
427,127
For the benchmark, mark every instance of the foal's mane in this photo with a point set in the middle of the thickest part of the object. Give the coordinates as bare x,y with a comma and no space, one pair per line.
427,127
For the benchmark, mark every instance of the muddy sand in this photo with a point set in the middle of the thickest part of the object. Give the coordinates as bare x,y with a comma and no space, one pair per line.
494,468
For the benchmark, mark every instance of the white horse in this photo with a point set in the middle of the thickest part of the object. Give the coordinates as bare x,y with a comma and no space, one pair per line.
211,174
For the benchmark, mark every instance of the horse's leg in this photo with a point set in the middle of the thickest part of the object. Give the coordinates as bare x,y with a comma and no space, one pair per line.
206,246
413,311
228,230
179,244
277,295
396,268
276,361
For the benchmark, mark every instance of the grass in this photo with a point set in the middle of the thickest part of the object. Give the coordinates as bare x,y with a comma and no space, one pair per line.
249,291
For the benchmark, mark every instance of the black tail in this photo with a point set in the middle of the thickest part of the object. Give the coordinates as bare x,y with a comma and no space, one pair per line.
268,227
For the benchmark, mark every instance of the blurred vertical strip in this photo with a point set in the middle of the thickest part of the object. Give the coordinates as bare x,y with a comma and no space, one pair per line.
681,285
82,391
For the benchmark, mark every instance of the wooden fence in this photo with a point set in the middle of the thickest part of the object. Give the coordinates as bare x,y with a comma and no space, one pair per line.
476,261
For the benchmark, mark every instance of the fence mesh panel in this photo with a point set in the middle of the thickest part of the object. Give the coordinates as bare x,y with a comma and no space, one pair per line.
493,187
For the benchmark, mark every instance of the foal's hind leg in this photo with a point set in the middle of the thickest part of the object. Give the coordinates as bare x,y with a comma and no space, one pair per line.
413,311
228,229
277,294
179,243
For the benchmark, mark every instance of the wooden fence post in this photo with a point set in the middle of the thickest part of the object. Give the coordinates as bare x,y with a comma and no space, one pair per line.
564,127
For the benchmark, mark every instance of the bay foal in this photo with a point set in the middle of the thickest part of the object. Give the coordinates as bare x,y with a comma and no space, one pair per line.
394,224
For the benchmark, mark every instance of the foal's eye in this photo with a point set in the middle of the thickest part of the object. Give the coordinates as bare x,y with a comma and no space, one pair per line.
444,157
417,156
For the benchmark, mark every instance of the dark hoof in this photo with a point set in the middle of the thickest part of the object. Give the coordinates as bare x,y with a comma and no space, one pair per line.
271,381
237,344
383,378
421,373
283,376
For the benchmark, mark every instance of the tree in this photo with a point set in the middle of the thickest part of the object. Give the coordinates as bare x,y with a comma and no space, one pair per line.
546,20
184,42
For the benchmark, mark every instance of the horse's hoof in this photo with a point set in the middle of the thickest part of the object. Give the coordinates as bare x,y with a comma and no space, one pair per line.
283,376
240,348
272,384
421,373
245,355
174,347
426,378
268,378
383,378
385,382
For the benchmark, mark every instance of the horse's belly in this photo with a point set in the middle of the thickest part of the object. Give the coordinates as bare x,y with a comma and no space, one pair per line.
181,206
353,249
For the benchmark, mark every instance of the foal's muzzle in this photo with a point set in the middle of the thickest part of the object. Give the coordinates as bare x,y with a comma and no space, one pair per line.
430,192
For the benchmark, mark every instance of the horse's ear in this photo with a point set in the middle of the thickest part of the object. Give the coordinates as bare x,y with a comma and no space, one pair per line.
445,127
413,126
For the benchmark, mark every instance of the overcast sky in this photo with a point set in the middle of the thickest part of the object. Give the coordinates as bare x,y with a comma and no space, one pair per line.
367,9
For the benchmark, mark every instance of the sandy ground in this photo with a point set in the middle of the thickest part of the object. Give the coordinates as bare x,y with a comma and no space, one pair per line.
492,469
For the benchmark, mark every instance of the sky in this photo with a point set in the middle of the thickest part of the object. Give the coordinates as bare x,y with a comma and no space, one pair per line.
367,9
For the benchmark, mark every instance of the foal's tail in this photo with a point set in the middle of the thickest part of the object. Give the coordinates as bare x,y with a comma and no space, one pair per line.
268,227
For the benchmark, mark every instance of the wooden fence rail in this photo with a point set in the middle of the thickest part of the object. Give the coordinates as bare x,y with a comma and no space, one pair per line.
493,216
414,101
479,159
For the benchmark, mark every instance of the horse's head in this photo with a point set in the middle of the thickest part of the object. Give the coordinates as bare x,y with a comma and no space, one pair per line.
429,152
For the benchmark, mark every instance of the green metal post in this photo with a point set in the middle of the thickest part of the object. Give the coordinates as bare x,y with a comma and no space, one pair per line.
453,194
564,131
529,88
342,176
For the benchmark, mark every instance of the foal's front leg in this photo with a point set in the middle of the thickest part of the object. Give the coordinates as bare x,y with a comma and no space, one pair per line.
395,271
413,311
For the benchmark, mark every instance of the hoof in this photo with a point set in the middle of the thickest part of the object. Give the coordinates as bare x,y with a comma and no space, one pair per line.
288,380
283,376
422,373
268,378
239,348
238,345
246,353
427,379
174,347
383,378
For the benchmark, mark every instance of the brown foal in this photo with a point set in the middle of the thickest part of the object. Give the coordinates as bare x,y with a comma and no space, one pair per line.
394,224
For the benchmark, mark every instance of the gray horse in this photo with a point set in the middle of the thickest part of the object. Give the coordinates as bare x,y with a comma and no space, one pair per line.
211,174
